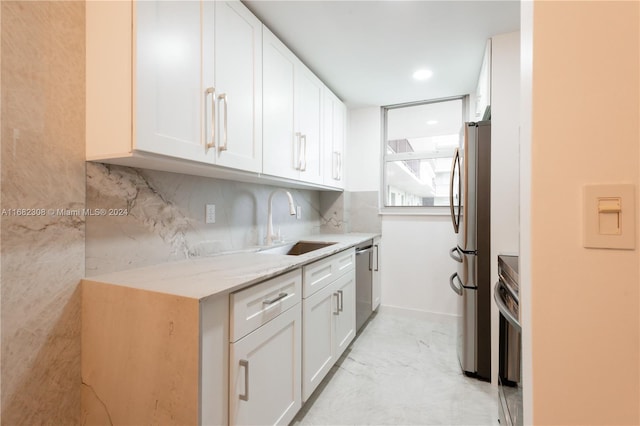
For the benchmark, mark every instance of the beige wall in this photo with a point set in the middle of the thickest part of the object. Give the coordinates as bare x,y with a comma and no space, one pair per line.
585,129
42,168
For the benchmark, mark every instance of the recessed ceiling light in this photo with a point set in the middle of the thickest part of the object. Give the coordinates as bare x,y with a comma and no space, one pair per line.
432,122
422,74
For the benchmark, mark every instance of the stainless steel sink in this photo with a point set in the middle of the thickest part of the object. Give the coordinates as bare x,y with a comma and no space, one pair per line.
297,248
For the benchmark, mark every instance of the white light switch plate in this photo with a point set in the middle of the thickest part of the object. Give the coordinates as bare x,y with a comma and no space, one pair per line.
210,214
609,216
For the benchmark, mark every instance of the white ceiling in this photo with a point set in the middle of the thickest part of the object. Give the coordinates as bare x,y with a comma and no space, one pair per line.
367,51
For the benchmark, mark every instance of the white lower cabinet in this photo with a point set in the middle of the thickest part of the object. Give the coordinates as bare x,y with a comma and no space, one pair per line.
345,320
376,289
264,372
318,274
265,352
250,357
318,338
329,322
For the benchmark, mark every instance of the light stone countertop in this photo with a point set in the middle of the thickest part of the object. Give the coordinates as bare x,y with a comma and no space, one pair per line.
209,276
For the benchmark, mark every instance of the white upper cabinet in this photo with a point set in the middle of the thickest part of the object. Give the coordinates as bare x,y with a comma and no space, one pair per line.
238,86
187,86
292,125
335,119
483,89
308,100
168,95
191,70
280,143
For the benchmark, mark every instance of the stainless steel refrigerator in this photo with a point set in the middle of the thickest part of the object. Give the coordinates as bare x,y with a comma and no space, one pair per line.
470,203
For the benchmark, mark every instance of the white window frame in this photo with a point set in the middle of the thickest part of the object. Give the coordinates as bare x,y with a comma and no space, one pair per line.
410,210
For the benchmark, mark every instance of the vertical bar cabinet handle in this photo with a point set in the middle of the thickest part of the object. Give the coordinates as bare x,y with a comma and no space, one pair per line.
303,164
245,363
299,144
225,99
212,144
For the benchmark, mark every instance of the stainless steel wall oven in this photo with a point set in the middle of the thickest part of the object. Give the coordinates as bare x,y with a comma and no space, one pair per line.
506,295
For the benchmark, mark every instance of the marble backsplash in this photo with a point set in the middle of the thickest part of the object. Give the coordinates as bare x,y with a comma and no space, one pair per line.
152,217
43,171
350,212
364,212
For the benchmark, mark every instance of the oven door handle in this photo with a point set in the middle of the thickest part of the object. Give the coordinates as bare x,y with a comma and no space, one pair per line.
503,308
508,287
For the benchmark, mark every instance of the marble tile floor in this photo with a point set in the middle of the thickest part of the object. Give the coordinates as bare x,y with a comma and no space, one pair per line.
401,370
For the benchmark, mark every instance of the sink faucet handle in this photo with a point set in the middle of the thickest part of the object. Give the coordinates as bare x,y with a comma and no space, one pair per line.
292,211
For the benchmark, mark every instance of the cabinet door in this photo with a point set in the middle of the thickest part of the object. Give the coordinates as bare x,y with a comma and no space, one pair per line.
318,338
238,86
168,95
334,137
345,321
280,144
376,289
309,107
483,89
265,366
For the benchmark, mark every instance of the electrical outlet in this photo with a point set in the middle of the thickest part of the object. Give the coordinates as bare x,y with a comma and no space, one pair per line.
298,212
210,214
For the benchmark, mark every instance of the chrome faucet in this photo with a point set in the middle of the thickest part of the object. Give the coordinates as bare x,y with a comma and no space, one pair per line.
292,212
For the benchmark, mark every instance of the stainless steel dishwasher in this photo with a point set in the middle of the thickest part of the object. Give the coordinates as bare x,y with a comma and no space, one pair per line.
364,282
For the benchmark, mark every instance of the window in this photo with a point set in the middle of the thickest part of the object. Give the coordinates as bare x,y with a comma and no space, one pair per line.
419,143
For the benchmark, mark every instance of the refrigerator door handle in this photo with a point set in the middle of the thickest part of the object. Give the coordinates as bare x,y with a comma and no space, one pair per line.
454,287
456,160
457,257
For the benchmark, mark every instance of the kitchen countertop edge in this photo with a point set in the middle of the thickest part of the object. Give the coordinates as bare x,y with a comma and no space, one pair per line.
224,273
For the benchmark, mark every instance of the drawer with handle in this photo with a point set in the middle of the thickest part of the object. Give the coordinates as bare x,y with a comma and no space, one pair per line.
259,304
318,275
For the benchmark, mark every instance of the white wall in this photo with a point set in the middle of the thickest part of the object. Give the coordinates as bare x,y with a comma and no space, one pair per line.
416,265
363,150
505,167
526,82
